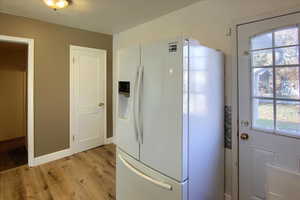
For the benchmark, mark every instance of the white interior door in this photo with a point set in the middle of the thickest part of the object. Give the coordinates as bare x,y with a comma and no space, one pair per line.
88,97
269,106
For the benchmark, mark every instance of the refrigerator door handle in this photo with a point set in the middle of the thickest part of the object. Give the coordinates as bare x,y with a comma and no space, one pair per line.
134,106
144,176
139,87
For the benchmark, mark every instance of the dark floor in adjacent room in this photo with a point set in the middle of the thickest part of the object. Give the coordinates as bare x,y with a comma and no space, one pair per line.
12,154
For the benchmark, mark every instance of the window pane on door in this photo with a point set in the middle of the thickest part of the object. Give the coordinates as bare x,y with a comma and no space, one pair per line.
262,41
288,116
262,58
262,82
263,115
287,82
275,62
285,37
287,56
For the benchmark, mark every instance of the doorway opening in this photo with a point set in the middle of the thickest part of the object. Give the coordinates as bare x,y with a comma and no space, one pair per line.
16,98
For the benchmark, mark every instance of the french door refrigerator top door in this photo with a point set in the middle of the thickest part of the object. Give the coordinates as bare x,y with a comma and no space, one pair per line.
164,145
127,133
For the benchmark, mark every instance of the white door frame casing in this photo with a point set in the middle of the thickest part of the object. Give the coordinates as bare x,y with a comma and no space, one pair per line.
30,92
72,93
235,102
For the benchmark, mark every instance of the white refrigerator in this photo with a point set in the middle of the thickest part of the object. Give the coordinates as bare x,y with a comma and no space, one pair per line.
169,131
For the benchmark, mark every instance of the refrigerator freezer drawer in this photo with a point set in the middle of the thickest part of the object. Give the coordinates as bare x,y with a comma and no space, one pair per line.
136,181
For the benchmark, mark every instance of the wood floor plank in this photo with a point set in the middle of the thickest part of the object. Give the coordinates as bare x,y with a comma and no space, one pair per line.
87,175
102,175
13,188
89,178
34,184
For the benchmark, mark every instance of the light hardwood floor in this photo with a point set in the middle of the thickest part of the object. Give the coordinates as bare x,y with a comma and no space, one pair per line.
88,175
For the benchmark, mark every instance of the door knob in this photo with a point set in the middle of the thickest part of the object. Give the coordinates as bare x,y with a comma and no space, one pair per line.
244,136
101,104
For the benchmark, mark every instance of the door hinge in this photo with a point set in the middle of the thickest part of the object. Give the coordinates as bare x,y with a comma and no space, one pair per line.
73,138
228,32
246,53
73,60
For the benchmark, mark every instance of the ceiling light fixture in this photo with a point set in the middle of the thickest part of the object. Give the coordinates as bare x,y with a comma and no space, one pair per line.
57,4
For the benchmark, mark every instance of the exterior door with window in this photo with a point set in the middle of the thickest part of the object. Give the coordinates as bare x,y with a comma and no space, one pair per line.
269,105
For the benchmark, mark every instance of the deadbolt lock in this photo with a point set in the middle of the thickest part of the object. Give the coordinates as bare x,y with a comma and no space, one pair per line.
245,123
244,136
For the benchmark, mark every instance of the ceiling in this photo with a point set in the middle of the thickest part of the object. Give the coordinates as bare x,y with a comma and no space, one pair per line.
105,16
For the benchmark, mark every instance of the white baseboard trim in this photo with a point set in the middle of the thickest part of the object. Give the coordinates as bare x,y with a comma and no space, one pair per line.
227,197
110,140
51,157
59,154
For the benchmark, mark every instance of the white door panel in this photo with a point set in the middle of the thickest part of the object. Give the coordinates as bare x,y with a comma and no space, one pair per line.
88,99
162,146
276,184
138,182
126,139
268,102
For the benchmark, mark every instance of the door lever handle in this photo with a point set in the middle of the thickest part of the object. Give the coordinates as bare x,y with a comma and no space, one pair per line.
101,104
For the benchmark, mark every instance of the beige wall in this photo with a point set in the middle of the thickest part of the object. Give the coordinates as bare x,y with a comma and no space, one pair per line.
207,21
13,65
51,62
